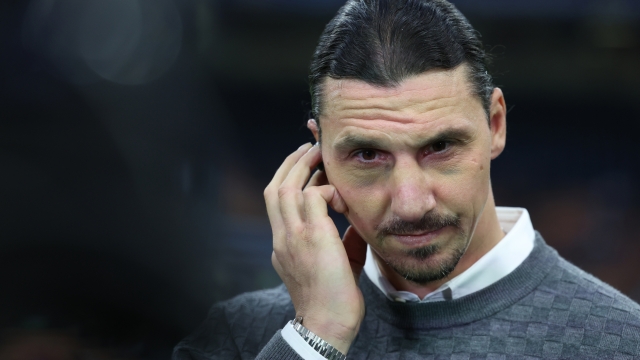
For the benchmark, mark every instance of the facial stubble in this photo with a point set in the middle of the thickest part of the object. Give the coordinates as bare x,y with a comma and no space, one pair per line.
434,261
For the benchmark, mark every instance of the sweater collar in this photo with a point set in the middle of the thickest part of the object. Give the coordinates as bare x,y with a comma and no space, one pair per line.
478,305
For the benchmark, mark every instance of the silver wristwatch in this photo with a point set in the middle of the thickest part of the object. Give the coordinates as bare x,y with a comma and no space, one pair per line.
319,345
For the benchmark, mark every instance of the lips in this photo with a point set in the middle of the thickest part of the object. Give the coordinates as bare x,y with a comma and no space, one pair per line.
418,239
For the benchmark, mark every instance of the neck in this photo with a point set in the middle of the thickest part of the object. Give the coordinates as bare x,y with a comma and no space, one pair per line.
486,235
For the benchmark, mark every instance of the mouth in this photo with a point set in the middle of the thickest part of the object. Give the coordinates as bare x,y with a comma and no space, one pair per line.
418,239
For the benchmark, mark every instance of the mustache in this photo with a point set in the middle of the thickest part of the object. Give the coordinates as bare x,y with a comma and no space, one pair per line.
429,222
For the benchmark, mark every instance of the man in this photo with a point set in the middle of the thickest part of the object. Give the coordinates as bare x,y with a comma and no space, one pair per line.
407,121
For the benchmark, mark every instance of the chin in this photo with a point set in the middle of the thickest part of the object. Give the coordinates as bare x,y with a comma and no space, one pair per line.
427,263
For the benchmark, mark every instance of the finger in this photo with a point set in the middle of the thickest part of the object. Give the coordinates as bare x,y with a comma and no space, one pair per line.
271,191
319,178
316,199
288,164
301,171
272,199
356,249
290,192
276,264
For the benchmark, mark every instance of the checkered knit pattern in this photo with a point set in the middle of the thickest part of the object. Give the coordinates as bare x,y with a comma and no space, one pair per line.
546,308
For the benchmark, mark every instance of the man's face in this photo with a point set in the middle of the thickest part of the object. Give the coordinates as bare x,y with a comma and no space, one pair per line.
412,165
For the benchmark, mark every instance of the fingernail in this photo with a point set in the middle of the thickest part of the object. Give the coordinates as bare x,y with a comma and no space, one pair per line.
303,145
316,145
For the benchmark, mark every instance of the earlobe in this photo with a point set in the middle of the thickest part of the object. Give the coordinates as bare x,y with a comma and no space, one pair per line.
498,118
312,125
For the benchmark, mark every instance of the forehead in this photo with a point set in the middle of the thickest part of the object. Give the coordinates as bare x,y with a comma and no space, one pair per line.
435,95
415,94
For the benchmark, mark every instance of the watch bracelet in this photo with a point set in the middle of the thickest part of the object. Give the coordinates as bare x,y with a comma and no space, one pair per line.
317,343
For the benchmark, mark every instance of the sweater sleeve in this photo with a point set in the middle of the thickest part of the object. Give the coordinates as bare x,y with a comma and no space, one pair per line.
236,330
213,340
278,348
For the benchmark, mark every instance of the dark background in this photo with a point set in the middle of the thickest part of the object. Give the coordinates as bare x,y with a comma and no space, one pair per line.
136,137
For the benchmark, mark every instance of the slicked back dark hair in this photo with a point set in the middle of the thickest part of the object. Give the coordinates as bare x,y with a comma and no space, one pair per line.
384,42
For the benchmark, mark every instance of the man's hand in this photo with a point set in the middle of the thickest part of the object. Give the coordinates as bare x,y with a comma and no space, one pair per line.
319,270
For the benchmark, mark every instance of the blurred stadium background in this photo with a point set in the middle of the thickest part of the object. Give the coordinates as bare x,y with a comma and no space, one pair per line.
136,137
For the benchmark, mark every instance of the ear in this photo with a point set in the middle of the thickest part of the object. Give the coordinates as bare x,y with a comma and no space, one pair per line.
313,126
498,119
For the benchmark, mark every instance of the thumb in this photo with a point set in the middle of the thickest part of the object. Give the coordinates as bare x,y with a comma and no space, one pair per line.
356,249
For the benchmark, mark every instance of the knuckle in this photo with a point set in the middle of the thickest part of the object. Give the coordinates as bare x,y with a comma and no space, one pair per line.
275,263
267,192
310,191
307,230
284,191
297,231
277,252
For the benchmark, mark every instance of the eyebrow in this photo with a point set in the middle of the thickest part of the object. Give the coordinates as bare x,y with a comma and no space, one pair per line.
352,141
355,141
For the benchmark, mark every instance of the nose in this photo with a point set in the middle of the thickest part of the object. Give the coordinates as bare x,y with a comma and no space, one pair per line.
412,191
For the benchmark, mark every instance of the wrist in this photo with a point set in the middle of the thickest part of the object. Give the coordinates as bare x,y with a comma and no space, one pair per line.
337,334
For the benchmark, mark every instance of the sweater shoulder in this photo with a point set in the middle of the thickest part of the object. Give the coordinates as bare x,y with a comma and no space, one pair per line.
272,305
583,292
240,326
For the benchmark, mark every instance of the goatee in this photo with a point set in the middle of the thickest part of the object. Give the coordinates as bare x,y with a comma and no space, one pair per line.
428,270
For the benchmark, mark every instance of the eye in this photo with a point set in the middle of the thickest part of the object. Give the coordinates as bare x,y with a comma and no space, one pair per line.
367,155
440,146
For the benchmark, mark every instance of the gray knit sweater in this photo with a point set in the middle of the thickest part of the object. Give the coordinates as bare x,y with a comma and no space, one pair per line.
546,308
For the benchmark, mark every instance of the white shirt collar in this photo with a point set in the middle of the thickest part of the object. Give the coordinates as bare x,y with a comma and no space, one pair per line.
507,255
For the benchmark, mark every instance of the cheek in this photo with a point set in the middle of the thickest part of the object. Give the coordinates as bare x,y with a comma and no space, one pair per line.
466,186
367,203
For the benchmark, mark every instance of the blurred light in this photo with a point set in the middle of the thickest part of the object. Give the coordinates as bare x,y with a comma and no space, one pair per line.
49,29
125,41
130,41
